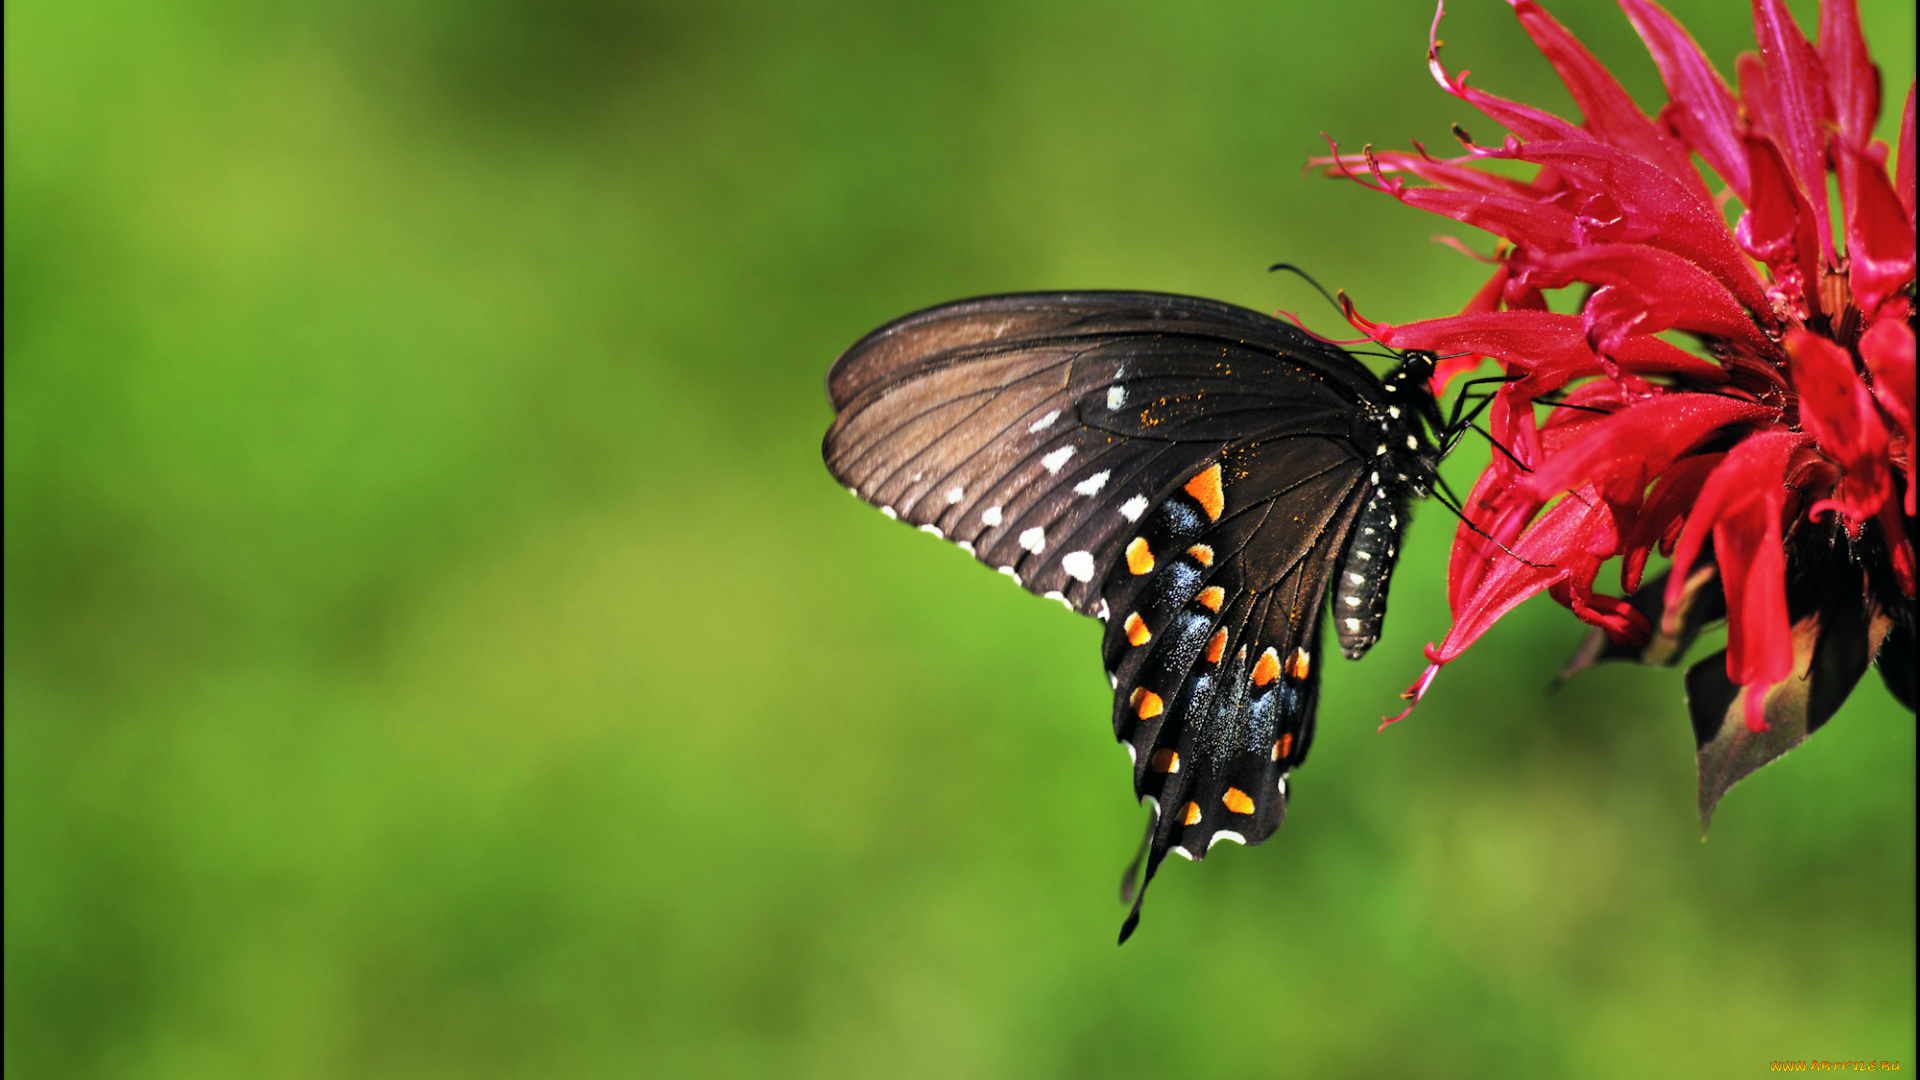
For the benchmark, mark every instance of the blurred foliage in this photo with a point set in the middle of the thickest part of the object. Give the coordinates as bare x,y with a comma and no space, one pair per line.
433,647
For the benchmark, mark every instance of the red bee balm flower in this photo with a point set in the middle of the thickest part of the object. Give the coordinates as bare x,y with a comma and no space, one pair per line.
1775,463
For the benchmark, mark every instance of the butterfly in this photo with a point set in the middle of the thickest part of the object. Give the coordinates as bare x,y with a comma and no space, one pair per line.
1205,480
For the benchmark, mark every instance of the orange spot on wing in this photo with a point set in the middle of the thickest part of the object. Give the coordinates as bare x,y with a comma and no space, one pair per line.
1191,815
1136,628
1283,747
1267,668
1212,597
1217,645
1166,761
1202,554
1206,491
1237,801
1139,556
1299,664
1146,703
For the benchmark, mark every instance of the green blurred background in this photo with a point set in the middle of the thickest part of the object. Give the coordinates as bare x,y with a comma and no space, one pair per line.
434,648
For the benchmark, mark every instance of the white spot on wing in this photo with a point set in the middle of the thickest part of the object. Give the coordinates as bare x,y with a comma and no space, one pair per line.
1412,444
1101,612
1132,754
1051,594
1182,852
1363,556
1357,579
965,546
1353,625
990,516
1078,565
955,494
933,530
1008,570
1116,398
1053,461
891,514
1092,484
1034,539
1352,601
1133,508
1046,421
1225,834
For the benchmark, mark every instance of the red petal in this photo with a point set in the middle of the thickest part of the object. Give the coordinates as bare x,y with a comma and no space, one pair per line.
1795,105
1556,547
1610,114
1549,348
1901,547
1879,236
1652,290
1741,504
1650,207
1836,408
1452,173
1665,506
1853,83
1523,120
1527,222
1640,442
1779,229
1484,301
1622,623
1903,170
1704,110
1887,347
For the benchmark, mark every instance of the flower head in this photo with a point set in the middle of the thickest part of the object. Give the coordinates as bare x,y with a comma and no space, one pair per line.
1773,463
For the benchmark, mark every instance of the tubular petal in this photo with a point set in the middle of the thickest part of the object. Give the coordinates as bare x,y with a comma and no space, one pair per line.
1796,103
1556,545
1887,347
1647,438
1879,237
1903,167
1549,349
1853,83
1741,505
1655,290
1779,229
1527,222
1652,208
1704,112
1836,408
1523,120
1610,114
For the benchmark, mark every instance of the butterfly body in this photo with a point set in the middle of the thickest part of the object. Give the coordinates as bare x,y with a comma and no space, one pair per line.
1202,478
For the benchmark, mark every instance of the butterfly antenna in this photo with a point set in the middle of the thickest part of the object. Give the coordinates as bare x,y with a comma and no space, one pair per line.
1308,278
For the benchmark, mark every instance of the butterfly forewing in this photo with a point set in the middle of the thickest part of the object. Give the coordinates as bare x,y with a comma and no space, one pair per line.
1188,471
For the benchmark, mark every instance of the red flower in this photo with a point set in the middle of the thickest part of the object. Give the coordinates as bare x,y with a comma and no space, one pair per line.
1775,464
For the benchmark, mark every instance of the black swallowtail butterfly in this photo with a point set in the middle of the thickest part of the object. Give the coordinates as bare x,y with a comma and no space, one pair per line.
1204,479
